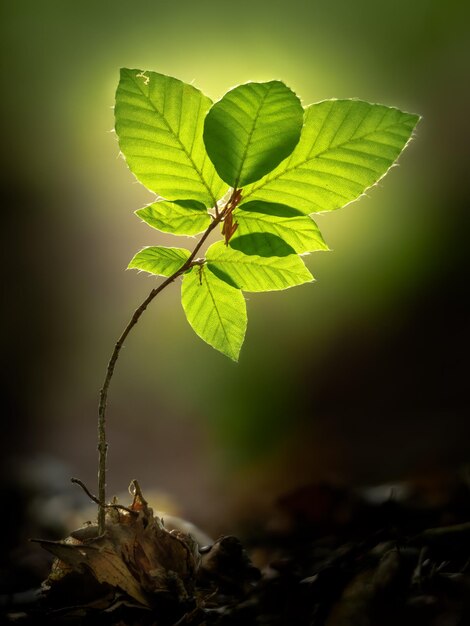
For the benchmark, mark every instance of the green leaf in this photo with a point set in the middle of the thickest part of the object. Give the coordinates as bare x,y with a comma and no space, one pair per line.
262,244
257,272
300,232
251,130
183,217
159,123
215,310
271,208
346,146
160,260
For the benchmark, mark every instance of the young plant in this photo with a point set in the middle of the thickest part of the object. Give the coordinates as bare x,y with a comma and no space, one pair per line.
256,165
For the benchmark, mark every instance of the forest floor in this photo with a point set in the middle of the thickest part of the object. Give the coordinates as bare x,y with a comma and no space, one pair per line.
328,555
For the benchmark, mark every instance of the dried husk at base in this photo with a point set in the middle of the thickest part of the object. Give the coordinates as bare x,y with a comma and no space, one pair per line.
136,558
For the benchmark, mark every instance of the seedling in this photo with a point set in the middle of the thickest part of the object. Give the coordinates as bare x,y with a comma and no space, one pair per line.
254,166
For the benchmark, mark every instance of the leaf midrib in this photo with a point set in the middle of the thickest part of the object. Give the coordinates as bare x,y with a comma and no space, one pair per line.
250,134
176,136
266,265
217,310
312,158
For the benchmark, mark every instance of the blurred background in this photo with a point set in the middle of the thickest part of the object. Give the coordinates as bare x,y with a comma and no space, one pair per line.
360,378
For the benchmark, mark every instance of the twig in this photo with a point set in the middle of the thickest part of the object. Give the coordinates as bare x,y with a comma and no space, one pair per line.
443,534
102,444
77,481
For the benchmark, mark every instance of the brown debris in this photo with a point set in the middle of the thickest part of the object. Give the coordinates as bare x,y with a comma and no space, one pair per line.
340,557
139,572
136,555
226,565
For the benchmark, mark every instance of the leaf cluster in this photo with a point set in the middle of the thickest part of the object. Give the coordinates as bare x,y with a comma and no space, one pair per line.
256,164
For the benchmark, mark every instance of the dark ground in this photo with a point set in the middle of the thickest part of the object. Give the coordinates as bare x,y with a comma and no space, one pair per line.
328,555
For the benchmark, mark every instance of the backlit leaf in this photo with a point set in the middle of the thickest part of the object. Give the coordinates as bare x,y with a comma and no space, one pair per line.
160,260
215,310
159,124
300,231
183,217
346,146
261,244
257,272
251,130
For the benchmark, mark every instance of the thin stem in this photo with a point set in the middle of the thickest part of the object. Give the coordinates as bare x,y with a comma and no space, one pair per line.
102,444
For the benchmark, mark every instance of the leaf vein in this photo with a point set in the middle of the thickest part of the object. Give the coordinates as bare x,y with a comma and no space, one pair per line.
177,137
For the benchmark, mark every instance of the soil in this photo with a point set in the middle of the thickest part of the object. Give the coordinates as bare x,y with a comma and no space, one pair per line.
327,555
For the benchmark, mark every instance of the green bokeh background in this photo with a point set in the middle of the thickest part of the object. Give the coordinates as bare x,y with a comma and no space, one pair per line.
360,377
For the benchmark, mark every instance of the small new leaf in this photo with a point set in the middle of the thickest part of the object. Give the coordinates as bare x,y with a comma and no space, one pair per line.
183,217
251,130
215,310
160,260
346,146
256,272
